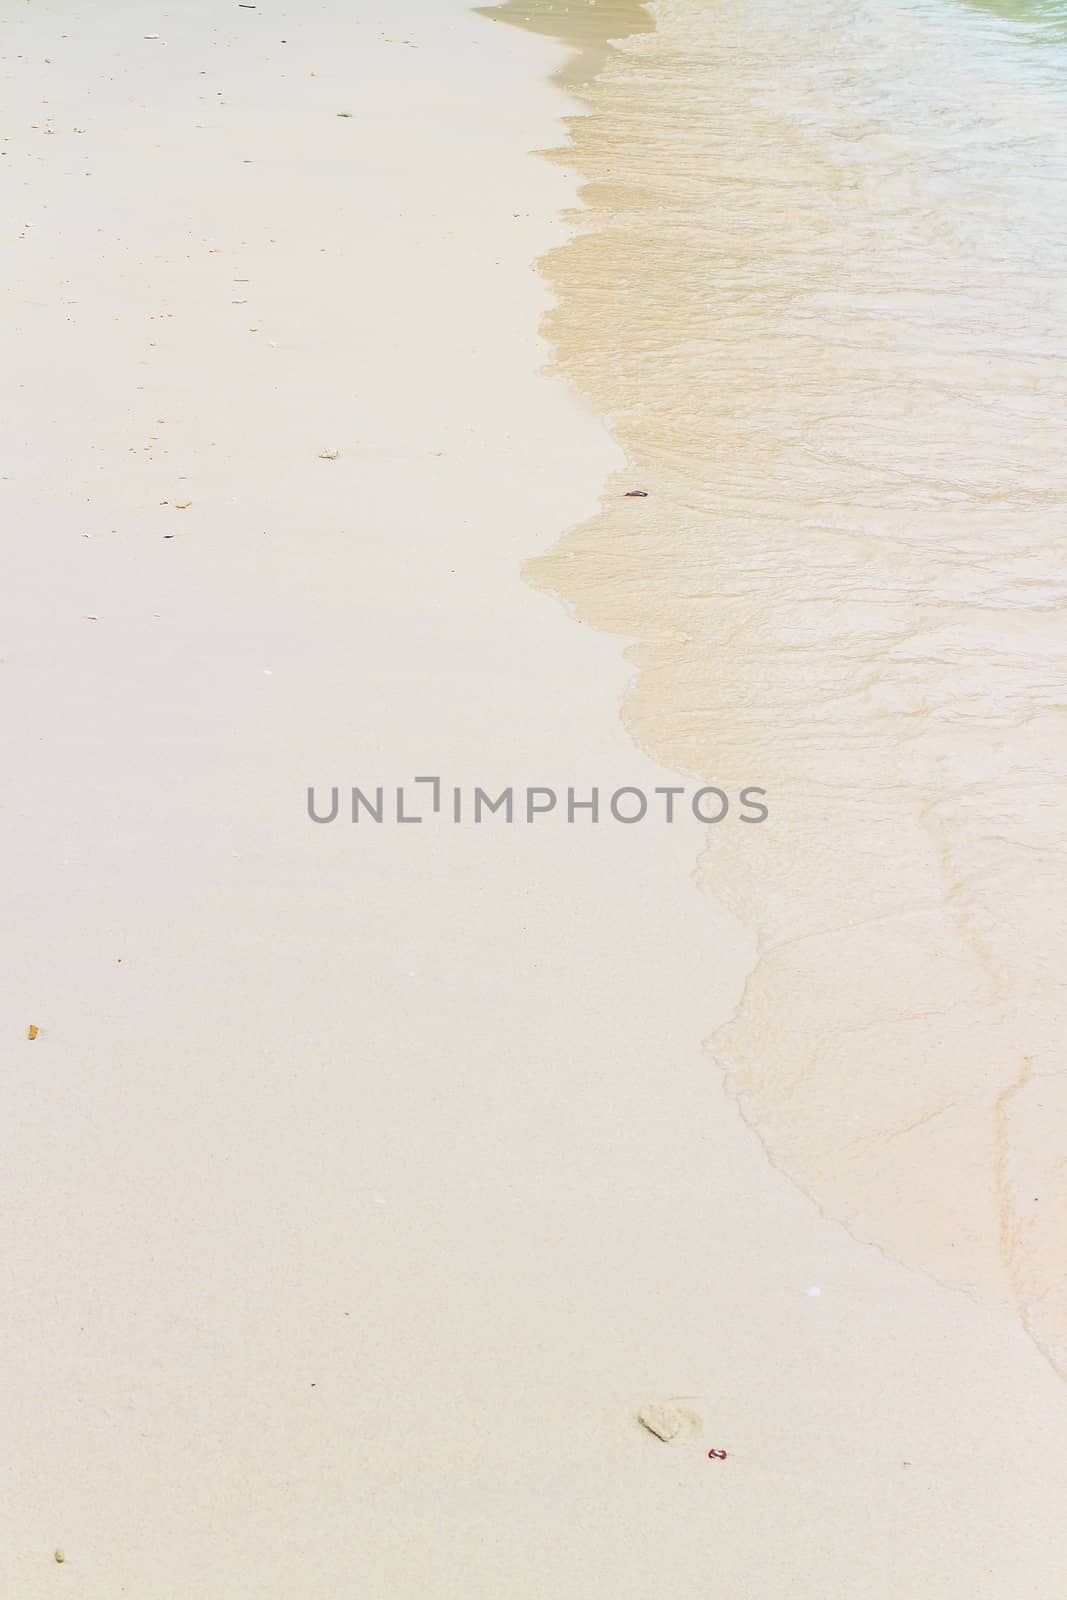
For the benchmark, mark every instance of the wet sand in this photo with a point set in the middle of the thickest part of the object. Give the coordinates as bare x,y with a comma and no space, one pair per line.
829,357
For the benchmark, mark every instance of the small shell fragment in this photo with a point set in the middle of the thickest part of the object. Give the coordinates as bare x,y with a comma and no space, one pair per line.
182,505
329,455
32,1031
669,1422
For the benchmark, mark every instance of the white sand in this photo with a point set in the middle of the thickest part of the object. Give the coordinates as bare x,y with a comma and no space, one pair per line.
361,1186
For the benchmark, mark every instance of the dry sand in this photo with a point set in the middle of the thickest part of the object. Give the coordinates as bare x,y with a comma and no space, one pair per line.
362,1187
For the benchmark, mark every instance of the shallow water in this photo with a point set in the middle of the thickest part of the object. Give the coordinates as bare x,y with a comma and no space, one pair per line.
820,292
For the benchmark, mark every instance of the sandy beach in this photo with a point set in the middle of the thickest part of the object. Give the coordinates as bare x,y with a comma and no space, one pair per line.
363,1183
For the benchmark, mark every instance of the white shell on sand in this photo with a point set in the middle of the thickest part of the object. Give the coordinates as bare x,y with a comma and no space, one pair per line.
673,1424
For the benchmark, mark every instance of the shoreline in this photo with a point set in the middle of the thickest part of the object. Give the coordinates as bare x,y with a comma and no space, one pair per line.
365,1185
586,33
803,594
953,1212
